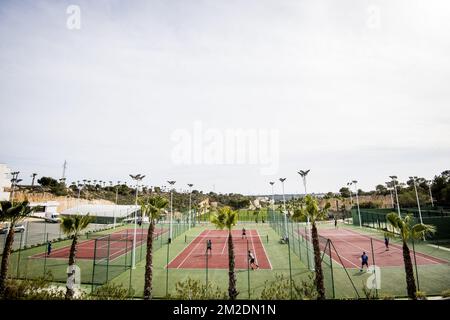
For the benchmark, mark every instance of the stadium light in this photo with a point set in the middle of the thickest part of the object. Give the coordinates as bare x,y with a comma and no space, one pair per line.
14,182
303,174
190,185
273,196
33,176
394,182
349,184
355,182
284,208
171,210
414,179
137,178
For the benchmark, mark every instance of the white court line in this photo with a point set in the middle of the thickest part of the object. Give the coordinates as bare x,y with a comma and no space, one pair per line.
193,249
395,246
267,257
253,248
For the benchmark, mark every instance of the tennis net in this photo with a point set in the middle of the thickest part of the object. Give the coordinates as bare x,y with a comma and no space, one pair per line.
264,238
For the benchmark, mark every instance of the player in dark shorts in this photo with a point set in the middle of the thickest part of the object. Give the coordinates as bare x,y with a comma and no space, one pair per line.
364,261
251,258
386,242
49,248
244,234
209,246
335,222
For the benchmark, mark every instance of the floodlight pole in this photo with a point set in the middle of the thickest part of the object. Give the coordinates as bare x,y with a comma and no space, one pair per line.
351,197
431,196
14,181
273,196
303,174
117,192
414,179
136,178
171,210
390,192
394,180
357,201
190,203
284,209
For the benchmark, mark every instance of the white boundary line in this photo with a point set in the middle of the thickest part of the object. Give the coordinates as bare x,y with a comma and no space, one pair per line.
262,244
193,249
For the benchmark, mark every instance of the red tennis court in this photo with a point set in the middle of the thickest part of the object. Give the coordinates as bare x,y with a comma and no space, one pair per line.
350,245
120,243
194,255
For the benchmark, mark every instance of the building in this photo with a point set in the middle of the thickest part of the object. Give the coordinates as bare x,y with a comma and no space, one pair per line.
5,182
105,214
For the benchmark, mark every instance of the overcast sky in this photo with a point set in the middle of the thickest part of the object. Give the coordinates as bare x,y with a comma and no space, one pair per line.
351,89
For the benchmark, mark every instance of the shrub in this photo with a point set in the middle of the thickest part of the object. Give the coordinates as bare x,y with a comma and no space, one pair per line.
39,289
446,293
191,289
370,205
111,291
421,295
280,289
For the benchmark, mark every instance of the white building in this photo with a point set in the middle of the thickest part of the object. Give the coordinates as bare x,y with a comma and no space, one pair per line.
109,213
5,182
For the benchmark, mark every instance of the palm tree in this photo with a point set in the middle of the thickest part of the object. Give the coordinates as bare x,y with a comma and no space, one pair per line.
72,227
406,231
225,218
311,210
12,213
153,209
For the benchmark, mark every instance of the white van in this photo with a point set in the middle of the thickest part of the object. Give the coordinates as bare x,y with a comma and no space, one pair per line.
52,217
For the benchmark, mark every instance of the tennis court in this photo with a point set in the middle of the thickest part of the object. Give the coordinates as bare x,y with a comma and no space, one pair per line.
195,255
121,242
351,244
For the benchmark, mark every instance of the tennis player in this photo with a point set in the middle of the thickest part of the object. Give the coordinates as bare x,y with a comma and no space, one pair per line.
251,258
364,261
208,246
386,242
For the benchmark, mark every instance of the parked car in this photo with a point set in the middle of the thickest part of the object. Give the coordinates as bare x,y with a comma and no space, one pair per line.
17,228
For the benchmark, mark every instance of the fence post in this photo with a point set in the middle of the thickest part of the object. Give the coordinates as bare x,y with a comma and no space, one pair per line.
299,244
167,270
107,258
248,272
331,268
307,248
207,262
18,256
93,265
374,264
415,263
45,254
290,266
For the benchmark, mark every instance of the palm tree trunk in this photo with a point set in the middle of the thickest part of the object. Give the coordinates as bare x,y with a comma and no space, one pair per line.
5,258
232,291
149,263
73,250
410,281
317,263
